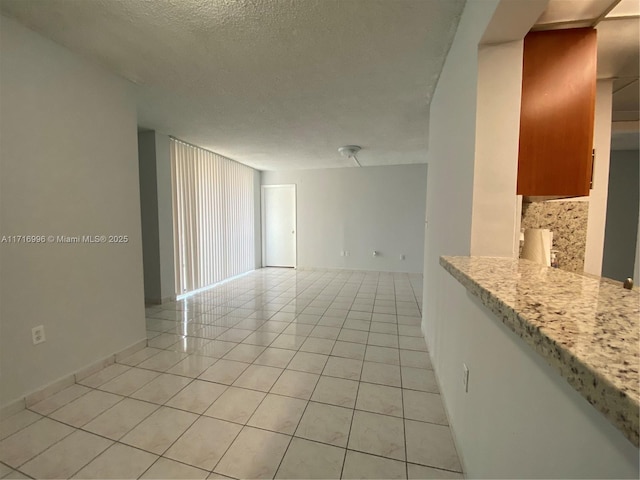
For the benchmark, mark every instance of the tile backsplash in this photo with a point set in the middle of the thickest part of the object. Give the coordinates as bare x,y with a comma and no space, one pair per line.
568,222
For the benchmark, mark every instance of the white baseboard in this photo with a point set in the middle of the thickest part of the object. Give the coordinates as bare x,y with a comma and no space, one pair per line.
60,384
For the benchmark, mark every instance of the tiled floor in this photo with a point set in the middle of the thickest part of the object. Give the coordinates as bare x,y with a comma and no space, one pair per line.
280,373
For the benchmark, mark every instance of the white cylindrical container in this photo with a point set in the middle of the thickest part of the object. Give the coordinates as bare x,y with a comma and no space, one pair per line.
537,245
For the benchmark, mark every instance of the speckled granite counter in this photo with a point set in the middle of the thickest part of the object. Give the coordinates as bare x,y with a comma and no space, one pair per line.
586,328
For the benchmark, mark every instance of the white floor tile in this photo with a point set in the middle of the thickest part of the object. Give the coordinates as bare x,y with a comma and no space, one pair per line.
336,391
410,330
4,470
413,343
263,338
234,335
211,331
60,399
204,443
420,472
81,411
17,421
118,462
67,456
382,355
431,445
258,377
224,371
306,459
381,327
235,405
192,366
265,449
216,349
278,414
162,361
130,381
165,469
15,474
380,399
197,396
381,373
330,333
308,362
290,342
299,329
244,353
158,431
383,340
343,368
30,441
121,418
317,345
419,379
349,350
362,465
162,388
275,357
295,384
425,407
355,336
140,356
325,423
410,358
104,375
377,434
164,340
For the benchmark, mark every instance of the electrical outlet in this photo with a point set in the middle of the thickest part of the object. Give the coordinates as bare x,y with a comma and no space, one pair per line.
465,377
37,334
342,253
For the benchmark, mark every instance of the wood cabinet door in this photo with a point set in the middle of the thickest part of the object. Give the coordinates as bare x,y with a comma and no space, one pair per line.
557,112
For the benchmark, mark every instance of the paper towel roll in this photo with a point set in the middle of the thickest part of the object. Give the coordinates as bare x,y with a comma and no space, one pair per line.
537,245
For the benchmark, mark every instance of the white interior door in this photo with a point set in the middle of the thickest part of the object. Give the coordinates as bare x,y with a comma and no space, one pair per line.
279,225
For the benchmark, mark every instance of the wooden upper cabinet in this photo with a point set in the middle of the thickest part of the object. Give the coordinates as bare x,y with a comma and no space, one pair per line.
557,113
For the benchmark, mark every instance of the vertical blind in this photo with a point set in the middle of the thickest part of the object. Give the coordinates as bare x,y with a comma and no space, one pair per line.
213,217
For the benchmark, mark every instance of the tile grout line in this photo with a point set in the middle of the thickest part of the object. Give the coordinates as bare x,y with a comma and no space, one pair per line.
404,426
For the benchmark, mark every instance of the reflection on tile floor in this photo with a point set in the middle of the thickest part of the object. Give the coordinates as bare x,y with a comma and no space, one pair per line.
276,374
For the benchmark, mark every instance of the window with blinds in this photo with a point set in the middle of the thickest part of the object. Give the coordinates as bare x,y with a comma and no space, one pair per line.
213,217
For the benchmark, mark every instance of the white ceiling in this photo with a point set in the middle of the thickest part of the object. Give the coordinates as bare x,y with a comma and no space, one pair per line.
271,83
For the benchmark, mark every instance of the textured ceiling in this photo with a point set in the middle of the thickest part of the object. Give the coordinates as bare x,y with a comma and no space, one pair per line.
271,83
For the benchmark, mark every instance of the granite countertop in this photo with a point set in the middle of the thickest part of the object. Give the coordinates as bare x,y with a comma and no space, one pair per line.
587,328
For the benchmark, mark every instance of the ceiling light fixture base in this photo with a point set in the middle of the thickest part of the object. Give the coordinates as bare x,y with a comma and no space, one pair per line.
349,150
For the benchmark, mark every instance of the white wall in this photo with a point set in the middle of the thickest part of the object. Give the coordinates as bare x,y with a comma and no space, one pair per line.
495,217
359,210
69,167
520,419
165,217
598,195
621,230
154,158
149,216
